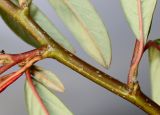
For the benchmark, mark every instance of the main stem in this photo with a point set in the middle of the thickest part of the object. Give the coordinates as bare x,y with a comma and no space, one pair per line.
57,52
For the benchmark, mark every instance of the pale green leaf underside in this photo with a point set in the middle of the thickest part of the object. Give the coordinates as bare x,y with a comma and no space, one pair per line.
130,8
44,23
154,58
48,27
19,30
52,103
47,78
82,20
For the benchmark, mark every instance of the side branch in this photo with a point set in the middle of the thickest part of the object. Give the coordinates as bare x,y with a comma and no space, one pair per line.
78,65
137,55
138,51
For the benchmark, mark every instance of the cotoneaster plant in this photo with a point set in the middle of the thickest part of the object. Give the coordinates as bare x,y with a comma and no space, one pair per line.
31,25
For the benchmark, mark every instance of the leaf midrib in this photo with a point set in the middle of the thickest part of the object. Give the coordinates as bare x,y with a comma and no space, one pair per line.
85,28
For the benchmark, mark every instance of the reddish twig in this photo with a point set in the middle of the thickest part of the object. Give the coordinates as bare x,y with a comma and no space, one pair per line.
9,60
9,79
6,67
138,51
137,55
25,60
6,80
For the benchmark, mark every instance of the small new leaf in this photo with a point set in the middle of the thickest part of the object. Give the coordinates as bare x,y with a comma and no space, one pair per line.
85,24
47,78
130,8
52,103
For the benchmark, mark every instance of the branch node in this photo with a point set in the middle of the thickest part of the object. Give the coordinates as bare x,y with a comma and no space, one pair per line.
135,89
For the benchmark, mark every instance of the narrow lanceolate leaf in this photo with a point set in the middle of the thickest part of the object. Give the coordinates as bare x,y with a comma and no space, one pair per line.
154,58
43,22
53,105
47,78
82,20
130,8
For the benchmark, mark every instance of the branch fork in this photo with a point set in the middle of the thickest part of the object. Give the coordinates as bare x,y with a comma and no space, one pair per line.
24,60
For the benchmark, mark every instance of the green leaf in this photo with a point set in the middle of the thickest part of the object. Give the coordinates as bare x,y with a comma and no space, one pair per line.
47,78
18,29
43,22
84,23
51,102
130,8
154,59
46,25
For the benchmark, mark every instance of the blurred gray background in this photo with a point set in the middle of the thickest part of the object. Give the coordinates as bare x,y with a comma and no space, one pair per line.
82,96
